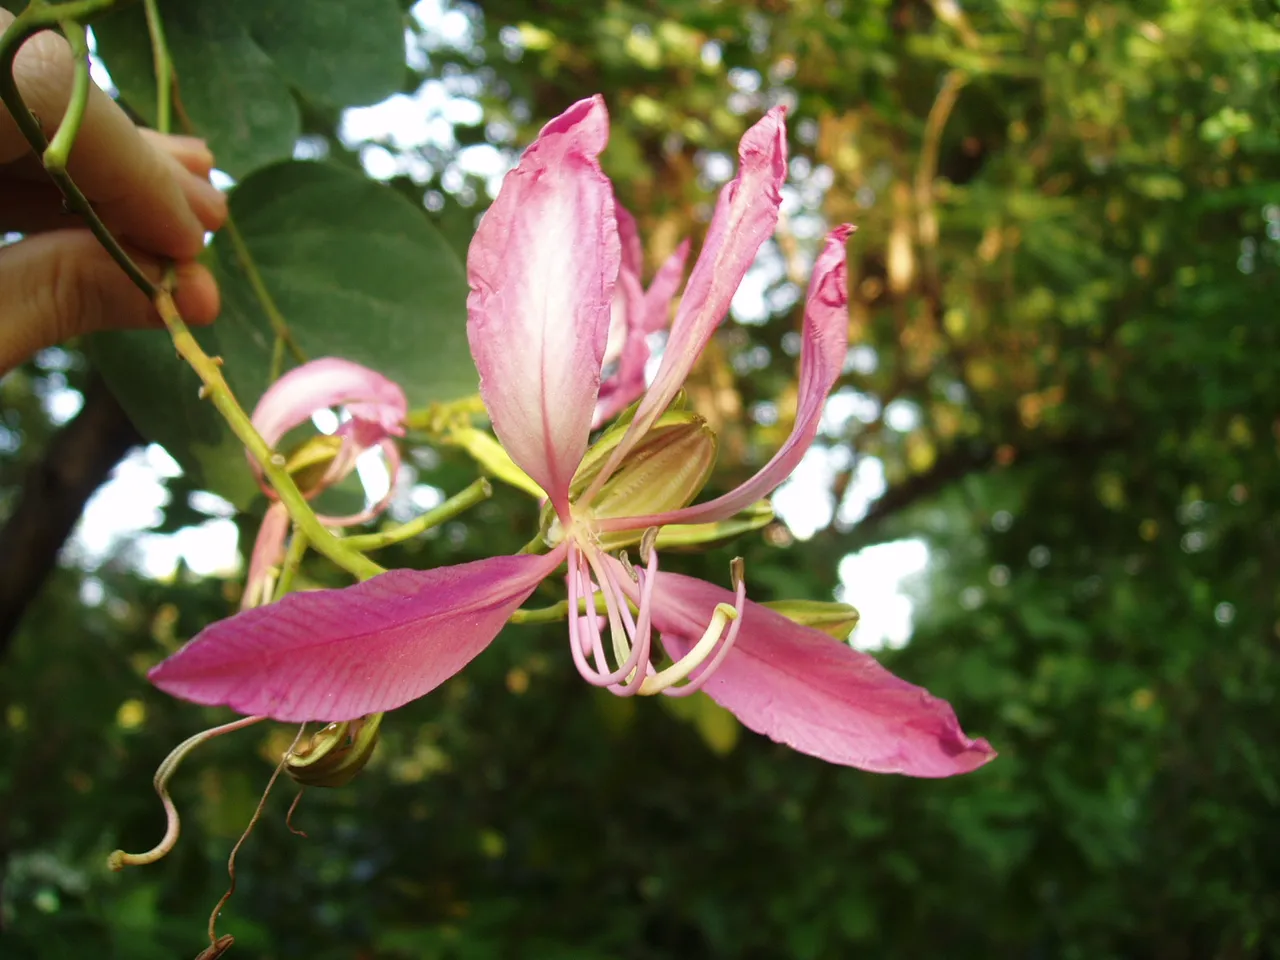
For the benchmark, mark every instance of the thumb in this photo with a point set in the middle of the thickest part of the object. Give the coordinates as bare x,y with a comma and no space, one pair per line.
63,283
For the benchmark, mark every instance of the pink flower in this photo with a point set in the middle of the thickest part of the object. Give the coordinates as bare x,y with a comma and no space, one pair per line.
377,409
543,268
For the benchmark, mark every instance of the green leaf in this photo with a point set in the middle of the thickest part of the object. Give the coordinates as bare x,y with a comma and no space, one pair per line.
229,88
357,272
236,62
338,52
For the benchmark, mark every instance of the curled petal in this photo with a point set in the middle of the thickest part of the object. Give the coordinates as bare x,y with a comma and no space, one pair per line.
802,688
826,340
745,216
542,269
373,401
338,654
392,453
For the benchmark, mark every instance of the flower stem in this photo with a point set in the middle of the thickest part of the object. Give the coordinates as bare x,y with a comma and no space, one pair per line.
59,149
216,389
292,560
475,493
163,66
556,612
37,17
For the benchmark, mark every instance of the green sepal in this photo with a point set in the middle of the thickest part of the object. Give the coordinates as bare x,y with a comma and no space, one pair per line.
334,755
835,619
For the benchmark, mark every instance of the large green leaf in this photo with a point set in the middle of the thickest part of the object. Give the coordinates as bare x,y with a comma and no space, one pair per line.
236,62
355,270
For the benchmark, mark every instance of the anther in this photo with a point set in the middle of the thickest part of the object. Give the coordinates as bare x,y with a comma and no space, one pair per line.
647,543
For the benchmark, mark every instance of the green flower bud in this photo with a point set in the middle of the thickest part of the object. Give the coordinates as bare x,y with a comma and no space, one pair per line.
334,755
836,619
665,471
310,460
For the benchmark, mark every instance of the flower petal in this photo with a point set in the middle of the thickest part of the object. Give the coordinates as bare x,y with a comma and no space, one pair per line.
542,269
639,315
338,654
629,238
370,398
826,341
268,552
745,215
802,688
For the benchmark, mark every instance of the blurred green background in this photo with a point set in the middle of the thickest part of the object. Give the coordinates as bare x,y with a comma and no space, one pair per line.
1066,385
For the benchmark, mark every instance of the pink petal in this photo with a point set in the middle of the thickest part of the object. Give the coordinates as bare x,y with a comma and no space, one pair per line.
657,299
745,216
813,693
640,315
392,453
629,238
826,341
370,397
268,551
338,654
542,269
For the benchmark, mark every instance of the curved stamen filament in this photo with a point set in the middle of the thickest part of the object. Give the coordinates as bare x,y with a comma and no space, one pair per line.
627,652
701,654
681,669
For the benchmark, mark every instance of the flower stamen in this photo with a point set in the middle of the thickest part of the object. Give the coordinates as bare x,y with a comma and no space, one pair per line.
701,653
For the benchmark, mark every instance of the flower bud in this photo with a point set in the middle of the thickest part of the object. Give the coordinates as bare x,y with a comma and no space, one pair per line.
835,619
334,755
309,463
664,471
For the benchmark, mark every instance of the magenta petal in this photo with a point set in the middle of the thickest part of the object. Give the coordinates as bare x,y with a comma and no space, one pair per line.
371,398
338,654
629,238
657,299
635,316
542,269
745,216
822,353
815,694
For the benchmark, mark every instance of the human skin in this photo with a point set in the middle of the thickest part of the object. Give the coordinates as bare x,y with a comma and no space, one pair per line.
151,190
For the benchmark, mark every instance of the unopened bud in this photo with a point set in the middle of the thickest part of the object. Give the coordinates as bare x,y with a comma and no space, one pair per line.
664,471
836,619
334,755
309,463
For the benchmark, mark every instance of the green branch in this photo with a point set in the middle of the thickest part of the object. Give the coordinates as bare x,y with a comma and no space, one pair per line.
216,389
36,18
455,505
163,67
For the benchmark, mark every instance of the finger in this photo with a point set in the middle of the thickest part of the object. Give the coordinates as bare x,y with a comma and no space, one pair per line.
131,183
63,284
192,152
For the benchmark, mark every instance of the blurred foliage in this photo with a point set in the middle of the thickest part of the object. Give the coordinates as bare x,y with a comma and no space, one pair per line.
1068,367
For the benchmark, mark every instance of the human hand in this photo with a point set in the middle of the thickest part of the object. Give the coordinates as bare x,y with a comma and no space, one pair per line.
152,191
